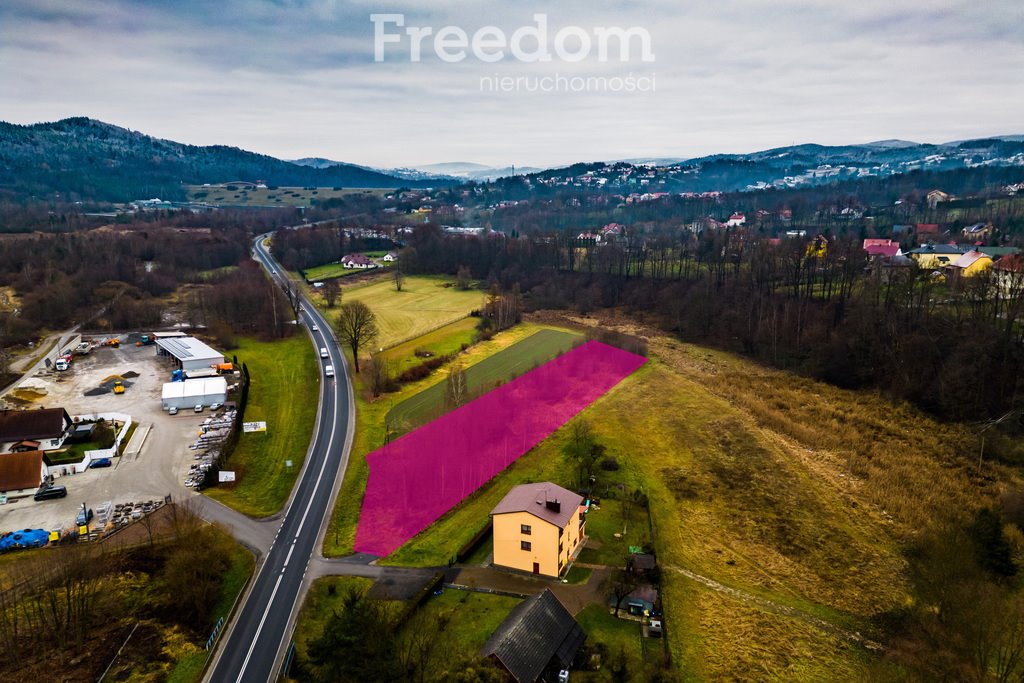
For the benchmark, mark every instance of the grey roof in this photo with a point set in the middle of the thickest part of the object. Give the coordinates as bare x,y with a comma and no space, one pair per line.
937,249
532,498
188,348
536,632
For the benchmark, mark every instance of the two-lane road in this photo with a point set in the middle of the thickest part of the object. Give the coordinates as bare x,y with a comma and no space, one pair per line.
254,647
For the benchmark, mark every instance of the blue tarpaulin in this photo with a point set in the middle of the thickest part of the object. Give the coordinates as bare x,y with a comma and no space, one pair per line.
26,538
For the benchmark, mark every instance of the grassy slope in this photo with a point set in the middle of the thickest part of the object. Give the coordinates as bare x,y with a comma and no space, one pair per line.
369,435
516,360
330,270
423,305
285,377
779,486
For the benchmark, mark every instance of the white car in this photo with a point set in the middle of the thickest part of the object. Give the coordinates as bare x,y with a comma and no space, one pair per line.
329,370
173,410
199,407
214,406
315,328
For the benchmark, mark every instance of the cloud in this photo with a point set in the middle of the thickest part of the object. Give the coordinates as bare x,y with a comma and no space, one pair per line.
297,77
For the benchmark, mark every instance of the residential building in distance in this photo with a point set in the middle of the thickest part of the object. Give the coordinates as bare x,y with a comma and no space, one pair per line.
33,430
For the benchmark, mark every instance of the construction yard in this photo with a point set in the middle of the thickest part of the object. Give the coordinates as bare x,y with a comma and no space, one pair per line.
156,459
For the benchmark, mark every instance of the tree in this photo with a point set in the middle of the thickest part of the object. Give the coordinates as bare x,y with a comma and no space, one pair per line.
456,389
583,448
624,582
398,276
357,327
357,643
462,278
332,292
380,375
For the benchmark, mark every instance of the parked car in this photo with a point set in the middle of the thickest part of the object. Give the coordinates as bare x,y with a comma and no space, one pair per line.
173,410
50,492
100,462
214,406
199,407
84,517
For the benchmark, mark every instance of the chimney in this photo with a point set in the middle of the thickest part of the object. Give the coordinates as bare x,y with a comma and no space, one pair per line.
553,505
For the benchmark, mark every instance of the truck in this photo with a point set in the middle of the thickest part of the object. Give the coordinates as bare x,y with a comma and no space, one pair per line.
62,363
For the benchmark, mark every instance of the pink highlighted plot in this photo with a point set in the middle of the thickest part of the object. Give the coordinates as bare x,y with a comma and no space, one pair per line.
414,480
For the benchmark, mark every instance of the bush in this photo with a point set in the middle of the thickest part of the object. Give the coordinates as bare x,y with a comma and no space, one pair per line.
610,464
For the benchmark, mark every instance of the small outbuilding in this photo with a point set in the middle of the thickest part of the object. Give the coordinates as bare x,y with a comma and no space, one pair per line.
188,353
538,639
193,392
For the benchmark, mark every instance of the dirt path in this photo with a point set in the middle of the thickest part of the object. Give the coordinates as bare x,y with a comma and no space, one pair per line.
784,610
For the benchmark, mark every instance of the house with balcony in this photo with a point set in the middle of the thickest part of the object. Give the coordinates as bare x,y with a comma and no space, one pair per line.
538,528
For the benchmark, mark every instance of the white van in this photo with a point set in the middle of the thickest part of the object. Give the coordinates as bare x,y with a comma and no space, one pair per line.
329,370
323,352
61,365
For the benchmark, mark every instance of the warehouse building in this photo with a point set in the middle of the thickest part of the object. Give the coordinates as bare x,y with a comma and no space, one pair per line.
188,353
193,392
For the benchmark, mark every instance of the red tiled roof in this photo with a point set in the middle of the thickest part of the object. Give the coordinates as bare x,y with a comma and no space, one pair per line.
882,249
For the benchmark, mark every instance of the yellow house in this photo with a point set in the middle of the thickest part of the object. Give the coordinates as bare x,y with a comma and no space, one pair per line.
935,256
972,263
538,528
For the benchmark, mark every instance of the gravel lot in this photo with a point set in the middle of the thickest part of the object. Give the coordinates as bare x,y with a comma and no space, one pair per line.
160,467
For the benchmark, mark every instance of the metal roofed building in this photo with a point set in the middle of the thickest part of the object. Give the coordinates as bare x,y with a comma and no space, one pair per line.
193,392
188,352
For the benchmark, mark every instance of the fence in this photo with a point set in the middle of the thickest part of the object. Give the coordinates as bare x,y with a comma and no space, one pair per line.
96,454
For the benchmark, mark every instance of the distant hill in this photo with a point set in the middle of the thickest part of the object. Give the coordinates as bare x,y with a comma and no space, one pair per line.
81,158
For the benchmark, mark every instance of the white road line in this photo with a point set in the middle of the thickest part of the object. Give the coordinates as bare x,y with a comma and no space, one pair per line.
256,638
289,554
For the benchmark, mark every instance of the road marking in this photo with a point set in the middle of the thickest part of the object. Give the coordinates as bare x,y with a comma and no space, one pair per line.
256,638
289,555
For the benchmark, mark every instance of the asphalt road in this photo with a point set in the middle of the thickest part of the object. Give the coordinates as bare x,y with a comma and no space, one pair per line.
254,647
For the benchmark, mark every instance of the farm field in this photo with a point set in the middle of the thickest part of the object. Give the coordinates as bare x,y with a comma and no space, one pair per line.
219,195
285,381
525,355
371,433
333,270
441,342
777,487
423,305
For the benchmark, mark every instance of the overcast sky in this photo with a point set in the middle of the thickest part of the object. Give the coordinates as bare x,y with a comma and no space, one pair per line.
296,78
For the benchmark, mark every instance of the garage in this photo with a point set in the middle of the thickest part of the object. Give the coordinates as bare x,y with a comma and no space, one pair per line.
188,353
192,392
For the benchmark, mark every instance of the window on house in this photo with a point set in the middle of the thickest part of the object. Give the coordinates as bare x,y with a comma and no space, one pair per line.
525,545
526,529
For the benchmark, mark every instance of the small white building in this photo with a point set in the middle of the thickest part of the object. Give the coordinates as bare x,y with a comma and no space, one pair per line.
189,353
193,392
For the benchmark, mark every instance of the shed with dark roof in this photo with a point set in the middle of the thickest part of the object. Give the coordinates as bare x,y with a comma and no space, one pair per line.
537,639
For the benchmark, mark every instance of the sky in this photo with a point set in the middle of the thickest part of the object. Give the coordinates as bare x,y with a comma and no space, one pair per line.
298,78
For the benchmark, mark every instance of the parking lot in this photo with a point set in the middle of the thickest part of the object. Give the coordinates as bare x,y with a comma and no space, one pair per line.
160,468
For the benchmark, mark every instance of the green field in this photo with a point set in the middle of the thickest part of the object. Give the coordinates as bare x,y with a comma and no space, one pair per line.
516,360
423,305
370,435
285,376
442,342
333,270
219,195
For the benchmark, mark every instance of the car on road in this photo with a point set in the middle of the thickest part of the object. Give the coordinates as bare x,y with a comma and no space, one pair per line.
329,370
315,328
173,410
323,352
84,517
100,462
50,493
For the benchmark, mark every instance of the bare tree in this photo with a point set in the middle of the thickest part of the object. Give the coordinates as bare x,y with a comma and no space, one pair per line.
456,392
332,292
398,276
380,374
462,278
357,327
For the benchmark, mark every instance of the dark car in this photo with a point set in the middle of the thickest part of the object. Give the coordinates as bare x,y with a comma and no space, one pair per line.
50,492
100,462
84,516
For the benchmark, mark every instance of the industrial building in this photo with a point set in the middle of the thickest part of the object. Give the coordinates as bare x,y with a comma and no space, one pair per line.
193,392
188,353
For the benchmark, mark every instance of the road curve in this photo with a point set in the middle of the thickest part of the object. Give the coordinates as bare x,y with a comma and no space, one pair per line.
254,646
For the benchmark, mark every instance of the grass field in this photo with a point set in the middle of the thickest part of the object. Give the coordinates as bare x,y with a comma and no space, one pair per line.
777,486
285,376
333,270
446,340
525,355
219,195
423,305
370,435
